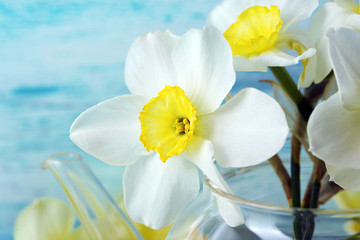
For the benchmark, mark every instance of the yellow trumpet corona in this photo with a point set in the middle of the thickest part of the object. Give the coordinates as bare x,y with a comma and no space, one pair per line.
167,122
255,30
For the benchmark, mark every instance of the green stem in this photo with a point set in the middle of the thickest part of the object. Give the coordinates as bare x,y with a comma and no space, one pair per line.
320,171
303,225
295,192
315,194
295,172
295,183
305,109
287,83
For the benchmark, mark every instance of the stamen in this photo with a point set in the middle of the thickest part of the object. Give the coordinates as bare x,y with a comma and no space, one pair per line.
182,126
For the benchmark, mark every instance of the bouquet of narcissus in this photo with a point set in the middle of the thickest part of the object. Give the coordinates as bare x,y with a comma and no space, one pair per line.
175,125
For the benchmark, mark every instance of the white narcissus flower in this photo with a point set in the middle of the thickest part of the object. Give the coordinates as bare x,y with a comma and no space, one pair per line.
331,15
334,126
172,124
258,31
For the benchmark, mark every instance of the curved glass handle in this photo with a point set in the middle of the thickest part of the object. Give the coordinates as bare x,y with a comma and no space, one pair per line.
97,211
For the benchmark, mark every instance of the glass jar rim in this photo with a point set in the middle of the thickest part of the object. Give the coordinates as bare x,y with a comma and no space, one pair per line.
61,157
253,204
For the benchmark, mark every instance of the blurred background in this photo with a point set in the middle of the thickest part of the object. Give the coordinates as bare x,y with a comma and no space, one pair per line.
58,58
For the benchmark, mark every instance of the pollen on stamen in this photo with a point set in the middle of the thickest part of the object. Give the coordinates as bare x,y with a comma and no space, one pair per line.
182,126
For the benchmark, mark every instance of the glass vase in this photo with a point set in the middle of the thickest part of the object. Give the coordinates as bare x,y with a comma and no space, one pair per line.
259,194
98,213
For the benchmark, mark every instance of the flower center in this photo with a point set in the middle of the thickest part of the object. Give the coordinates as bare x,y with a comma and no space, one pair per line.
167,122
182,125
255,30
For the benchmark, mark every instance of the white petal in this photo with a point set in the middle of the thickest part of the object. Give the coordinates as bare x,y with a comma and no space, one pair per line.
156,192
200,152
291,11
311,72
168,39
272,58
294,11
248,129
354,21
301,36
203,62
229,211
111,129
45,219
244,64
148,65
329,15
345,56
347,178
334,133
278,58
294,34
